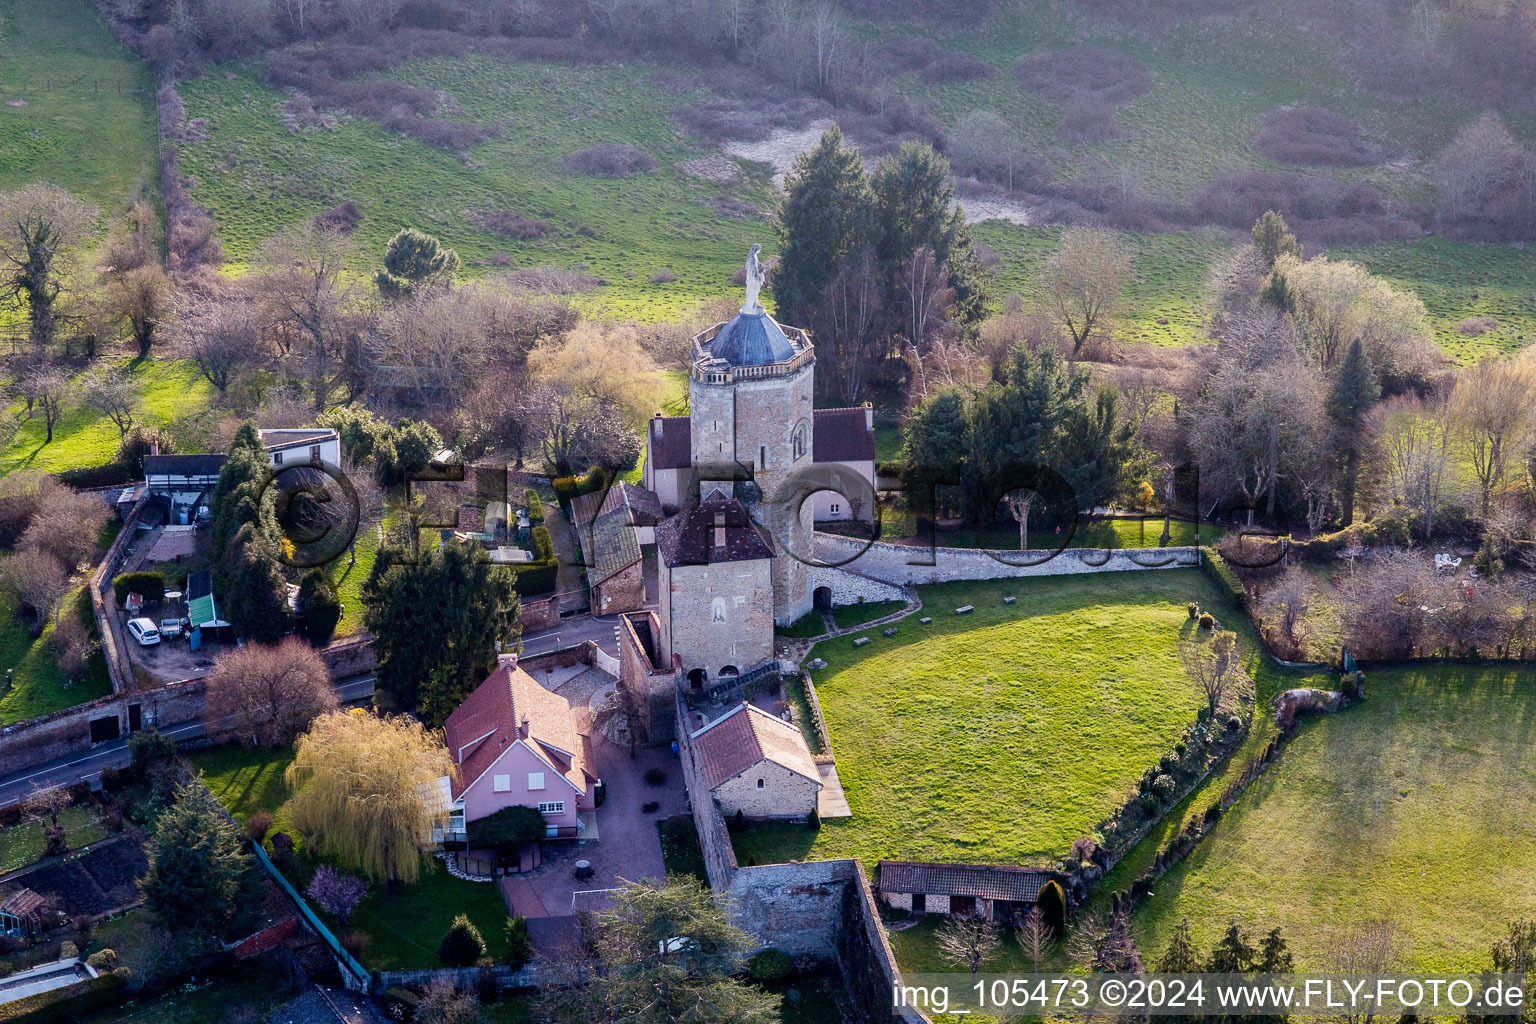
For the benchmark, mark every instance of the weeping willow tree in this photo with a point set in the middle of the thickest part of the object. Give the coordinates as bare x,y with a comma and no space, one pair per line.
365,791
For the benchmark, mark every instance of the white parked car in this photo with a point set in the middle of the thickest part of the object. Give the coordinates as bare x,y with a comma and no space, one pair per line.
144,631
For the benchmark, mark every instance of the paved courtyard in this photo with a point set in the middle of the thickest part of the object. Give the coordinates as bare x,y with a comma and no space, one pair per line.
628,847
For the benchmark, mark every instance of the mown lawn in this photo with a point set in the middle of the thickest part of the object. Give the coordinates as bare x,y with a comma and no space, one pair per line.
1002,735
857,614
1415,805
168,389
248,780
22,843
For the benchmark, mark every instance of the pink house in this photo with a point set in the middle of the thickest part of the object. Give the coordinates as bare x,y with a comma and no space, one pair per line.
514,742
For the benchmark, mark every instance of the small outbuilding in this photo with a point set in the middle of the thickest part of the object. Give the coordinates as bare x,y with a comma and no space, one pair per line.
997,892
757,764
22,915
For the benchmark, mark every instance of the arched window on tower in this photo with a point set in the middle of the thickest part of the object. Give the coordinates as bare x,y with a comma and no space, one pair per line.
799,441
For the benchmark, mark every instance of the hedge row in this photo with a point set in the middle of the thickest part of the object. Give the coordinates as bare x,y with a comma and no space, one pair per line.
149,585
64,1005
569,488
110,475
1222,575
533,578
535,506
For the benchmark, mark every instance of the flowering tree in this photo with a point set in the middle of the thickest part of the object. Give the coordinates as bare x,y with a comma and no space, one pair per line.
336,893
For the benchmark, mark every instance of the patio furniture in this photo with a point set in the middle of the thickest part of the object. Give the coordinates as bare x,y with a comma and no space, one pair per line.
584,870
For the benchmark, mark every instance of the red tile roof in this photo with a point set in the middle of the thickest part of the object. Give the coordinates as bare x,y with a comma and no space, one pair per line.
989,881
490,720
741,738
842,435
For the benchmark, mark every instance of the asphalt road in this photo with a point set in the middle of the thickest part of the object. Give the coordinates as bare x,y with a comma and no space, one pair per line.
114,753
604,630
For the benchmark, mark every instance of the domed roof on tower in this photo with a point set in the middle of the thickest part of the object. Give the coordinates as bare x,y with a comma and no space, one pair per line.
751,337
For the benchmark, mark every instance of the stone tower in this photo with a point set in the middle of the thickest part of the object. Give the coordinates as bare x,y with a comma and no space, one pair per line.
750,398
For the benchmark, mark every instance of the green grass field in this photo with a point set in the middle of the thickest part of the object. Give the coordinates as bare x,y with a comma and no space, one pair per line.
38,686
1002,735
247,780
1415,805
168,389
258,177
22,843
78,108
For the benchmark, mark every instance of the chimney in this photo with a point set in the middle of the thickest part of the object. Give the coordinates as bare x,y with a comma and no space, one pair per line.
656,423
523,729
869,416
507,658
154,447
719,529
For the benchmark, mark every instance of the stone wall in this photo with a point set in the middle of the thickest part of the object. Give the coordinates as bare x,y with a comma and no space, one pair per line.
68,732
540,614
720,614
656,686
824,908
851,588
894,563
350,657
622,592
784,795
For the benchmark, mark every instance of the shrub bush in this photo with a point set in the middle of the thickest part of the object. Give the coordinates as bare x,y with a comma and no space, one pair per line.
150,585
65,1005
519,945
543,547
663,276
1193,608
650,807
257,825
535,506
770,964
462,946
1222,575
1207,621
532,579
655,776
110,475
958,66
513,225
610,160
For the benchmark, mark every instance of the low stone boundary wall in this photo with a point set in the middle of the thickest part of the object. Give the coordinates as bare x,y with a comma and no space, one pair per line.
463,977
911,565
67,732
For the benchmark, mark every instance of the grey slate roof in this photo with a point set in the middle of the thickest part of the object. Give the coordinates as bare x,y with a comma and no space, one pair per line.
614,545
183,465
752,339
989,881
325,1005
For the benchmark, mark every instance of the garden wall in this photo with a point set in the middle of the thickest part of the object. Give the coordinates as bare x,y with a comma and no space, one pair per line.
903,564
824,909
68,732
851,588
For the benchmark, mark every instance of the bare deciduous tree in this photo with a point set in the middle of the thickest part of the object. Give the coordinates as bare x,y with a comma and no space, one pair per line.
65,524
140,297
621,718
268,694
222,337
1288,602
111,393
1083,281
968,942
1372,947
1494,409
37,579
312,308
47,389
41,228
1035,935
1214,666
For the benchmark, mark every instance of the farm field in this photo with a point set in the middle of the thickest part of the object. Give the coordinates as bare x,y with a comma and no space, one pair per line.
1414,805
78,108
1002,735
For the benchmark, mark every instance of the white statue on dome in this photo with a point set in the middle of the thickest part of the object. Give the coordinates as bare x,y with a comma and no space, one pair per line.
754,282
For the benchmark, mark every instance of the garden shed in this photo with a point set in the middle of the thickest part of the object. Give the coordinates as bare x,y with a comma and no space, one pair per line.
22,914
